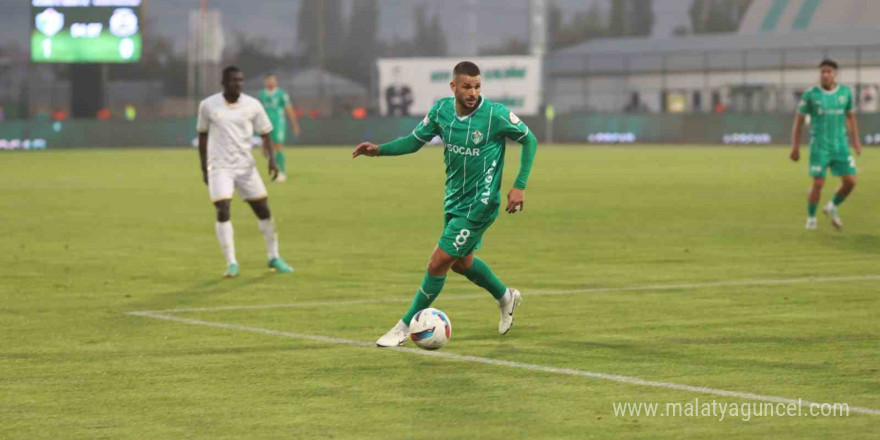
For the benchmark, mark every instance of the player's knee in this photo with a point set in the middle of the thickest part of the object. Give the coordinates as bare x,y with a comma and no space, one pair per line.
438,267
850,183
460,267
435,269
261,209
222,211
818,183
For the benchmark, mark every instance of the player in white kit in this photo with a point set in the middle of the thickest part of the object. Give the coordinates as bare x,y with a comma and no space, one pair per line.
226,122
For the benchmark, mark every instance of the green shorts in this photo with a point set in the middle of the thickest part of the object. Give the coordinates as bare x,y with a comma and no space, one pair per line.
461,237
279,135
840,165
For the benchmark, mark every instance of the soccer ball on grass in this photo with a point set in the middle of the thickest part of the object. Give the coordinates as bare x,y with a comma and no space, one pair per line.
430,329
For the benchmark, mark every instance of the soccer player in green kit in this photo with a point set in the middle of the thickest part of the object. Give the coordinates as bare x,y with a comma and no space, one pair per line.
474,131
277,103
830,107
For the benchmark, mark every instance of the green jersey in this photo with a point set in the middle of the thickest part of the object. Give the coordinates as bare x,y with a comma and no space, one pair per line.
827,111
473,153
275,103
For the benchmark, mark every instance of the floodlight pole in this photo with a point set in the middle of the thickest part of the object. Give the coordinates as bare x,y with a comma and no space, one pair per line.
321,55
537,27
472,27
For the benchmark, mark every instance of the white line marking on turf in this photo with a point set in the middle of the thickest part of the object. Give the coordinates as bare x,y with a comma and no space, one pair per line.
488,361
538,292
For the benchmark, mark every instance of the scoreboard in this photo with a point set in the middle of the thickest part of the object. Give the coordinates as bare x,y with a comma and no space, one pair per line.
86,31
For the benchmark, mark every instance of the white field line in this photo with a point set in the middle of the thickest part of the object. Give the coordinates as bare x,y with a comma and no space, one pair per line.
488,361
539,292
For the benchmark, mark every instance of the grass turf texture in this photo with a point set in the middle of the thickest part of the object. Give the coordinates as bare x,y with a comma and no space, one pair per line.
91,234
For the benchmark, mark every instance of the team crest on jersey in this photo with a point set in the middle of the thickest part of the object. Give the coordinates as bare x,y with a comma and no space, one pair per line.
513,119
476,136
841,99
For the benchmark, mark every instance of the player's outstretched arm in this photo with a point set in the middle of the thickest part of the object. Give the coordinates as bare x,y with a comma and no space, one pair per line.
203,155
404,145
516,196
796,136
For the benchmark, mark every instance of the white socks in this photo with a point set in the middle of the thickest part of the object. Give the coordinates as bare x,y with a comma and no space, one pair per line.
227,242
267,227
225,236
504,300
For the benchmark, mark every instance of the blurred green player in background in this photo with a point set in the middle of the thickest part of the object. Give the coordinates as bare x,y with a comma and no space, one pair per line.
276,101
830,107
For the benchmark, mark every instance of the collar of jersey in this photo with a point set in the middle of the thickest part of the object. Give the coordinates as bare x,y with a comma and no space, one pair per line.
830,92
462,118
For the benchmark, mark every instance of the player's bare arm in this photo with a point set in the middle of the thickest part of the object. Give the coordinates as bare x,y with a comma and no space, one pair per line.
291,114
799,120
365,149
516,196
852,126
268,150
203,155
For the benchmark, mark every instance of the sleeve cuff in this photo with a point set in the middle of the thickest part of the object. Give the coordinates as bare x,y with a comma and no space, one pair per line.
417,137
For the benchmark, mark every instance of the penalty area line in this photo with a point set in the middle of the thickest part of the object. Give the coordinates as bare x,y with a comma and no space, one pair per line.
489,361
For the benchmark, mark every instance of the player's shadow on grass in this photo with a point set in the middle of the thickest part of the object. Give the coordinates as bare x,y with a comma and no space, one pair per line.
264,349
864,243
196,294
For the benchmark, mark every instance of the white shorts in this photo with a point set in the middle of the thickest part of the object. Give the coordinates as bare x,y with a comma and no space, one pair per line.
222,182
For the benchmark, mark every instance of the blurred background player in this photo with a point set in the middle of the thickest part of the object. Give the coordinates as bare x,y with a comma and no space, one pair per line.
475,131
276,101
226,122
830,108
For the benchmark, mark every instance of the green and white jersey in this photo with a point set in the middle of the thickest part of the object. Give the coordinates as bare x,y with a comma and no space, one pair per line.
473,151
827,111
274,103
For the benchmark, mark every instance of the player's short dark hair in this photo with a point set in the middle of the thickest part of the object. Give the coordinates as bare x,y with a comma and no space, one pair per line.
230,69
828,62
466,68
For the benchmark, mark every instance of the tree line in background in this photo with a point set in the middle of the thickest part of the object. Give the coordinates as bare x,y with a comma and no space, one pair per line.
350,47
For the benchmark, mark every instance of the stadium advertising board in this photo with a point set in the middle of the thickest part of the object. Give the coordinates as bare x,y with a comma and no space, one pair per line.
410,86
86,31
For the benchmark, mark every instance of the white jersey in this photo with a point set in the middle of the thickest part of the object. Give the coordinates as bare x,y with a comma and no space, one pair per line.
230,128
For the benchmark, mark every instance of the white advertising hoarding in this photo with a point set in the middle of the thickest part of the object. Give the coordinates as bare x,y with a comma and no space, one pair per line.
410,86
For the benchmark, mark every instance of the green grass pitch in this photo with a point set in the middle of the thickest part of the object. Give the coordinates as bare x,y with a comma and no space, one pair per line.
89,235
